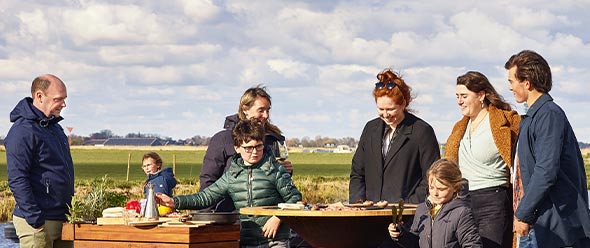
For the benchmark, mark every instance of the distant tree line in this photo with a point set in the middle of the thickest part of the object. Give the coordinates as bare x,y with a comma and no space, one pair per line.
196,140
199,140
320,141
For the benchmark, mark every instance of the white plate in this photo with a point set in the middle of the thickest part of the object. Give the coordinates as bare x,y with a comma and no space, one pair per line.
292,206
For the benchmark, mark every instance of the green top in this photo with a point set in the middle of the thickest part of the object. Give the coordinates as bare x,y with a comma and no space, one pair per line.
266,183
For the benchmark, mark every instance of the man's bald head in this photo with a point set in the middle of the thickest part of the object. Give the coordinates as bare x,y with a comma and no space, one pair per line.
49,94
42,83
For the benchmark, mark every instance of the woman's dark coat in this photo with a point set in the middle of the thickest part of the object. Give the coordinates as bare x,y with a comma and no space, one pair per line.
402,174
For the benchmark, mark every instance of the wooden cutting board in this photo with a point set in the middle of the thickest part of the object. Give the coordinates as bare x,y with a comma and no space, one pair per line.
185,224
121,221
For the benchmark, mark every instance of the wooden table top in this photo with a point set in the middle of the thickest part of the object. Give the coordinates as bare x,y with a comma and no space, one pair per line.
410,209
362,228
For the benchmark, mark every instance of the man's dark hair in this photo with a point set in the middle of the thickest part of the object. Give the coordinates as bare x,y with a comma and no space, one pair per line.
532,67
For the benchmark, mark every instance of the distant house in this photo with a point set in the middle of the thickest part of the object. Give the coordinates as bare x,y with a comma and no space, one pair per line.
343,149
95,142
133,142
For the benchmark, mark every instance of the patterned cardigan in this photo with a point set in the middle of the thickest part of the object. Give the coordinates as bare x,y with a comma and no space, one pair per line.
504,125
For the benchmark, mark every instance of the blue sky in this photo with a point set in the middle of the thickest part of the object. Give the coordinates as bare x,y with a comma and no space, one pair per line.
177,68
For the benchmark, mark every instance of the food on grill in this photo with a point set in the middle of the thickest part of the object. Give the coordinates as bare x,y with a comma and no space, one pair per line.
337,206
381,204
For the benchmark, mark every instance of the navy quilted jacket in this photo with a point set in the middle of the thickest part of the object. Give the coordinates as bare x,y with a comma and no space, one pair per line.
39,163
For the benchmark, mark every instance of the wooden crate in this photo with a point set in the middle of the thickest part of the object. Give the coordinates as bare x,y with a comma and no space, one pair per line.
112,236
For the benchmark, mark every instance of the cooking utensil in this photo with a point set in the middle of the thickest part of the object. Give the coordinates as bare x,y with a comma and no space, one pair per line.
151,210
221,218
400,209
394,214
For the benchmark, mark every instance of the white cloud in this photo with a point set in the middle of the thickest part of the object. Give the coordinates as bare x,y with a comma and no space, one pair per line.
9,88
200,11
178,68
97,24
152,91
34,26
287,68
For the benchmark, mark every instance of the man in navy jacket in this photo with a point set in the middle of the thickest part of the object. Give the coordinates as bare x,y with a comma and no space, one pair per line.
553,209
40,168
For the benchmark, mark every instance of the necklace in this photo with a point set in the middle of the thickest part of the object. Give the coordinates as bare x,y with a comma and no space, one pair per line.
475,123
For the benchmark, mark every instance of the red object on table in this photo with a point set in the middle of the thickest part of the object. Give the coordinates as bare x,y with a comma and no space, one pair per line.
133,205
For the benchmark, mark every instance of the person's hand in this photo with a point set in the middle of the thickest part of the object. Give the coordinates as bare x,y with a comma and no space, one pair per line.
521,228
39,229
394,231
288,166
165,200
269,230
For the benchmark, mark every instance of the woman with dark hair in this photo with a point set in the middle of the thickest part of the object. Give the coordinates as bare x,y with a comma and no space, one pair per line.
254,105
482,143
395,150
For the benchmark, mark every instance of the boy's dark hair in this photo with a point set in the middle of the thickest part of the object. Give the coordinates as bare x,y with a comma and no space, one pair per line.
247,130
533,67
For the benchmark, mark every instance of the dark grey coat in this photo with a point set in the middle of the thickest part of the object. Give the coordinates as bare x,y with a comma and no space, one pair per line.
452,227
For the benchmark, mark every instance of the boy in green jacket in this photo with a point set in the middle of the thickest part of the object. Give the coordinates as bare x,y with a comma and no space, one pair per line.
254,178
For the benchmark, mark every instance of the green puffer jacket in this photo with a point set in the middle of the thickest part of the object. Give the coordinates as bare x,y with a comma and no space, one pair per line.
270,185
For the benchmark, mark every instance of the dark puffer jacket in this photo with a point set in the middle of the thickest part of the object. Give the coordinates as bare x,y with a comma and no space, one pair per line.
40,168
218,158
269,185
163,182
453,227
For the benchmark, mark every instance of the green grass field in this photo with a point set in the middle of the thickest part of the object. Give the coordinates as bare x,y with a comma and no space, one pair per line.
95,163
321,177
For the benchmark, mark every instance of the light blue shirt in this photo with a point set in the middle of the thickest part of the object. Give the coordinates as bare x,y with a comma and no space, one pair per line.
479,159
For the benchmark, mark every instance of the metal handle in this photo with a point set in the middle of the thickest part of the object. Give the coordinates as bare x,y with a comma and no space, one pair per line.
400,213
394,214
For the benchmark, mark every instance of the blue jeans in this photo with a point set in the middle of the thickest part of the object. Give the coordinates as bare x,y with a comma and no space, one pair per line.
529,241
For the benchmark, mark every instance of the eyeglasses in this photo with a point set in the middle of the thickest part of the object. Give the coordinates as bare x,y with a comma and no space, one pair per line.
146,165
249,149
389,85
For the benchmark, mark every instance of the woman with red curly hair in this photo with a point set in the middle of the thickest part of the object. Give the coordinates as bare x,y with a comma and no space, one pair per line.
395,149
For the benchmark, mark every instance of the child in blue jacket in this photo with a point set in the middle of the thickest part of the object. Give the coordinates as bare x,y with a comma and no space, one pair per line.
162,179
